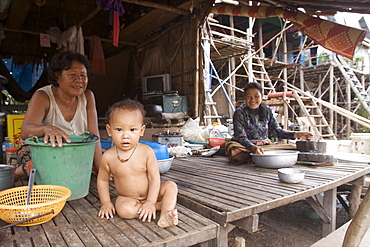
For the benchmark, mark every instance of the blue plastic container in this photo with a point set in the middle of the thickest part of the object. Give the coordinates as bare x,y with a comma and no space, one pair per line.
106,143
160,150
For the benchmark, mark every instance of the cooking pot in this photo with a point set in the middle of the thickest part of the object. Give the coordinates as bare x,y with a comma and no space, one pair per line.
276,159
7,173
153,110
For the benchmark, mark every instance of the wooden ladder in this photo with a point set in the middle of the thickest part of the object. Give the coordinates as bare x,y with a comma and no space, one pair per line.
210,110
354,82
260,75
315,118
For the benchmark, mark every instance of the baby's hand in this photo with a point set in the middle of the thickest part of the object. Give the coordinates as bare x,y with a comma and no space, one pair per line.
107,210
147,211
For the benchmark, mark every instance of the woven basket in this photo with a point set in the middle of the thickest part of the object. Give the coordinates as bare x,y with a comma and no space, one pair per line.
44,199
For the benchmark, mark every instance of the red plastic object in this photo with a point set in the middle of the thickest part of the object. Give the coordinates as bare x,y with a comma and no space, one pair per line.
214,142
280,94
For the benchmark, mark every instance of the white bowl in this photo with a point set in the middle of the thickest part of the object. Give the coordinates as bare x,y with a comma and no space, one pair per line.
291,175
165,165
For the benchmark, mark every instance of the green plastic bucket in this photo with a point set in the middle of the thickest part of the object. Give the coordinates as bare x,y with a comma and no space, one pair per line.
68,166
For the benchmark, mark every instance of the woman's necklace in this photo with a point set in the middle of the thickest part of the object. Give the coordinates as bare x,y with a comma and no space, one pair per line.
124,160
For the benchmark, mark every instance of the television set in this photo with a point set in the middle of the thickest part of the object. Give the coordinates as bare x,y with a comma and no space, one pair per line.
156,83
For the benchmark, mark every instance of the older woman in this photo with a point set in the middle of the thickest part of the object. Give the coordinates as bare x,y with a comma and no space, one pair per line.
66,107
253,122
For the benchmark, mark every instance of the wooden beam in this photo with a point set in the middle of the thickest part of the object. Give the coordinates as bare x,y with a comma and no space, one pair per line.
88,17
158,6
38,33
149,22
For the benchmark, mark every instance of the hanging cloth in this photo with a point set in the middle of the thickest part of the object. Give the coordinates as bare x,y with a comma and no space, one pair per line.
118,9
97,56
73,39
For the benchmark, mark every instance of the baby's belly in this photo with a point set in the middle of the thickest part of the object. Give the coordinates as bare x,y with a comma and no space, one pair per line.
135,190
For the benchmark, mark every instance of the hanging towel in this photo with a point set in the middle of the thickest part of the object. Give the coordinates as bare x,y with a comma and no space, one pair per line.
97,56
116,29
73,39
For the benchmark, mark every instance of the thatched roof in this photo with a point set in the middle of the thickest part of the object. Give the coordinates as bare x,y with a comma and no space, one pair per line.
24,20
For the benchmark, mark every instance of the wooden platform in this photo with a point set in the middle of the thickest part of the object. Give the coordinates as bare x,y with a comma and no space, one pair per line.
233,195
79,225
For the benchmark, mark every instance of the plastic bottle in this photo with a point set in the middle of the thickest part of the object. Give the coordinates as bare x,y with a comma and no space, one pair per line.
6,144
11,152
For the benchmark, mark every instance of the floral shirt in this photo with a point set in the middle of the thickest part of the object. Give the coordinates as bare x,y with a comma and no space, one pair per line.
248,128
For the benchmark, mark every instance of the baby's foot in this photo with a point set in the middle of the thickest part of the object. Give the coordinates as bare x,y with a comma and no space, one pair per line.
168,218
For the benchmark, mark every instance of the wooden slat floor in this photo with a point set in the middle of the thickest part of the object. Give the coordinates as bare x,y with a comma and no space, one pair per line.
79,225
225,192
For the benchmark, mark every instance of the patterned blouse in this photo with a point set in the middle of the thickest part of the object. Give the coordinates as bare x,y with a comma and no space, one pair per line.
248,128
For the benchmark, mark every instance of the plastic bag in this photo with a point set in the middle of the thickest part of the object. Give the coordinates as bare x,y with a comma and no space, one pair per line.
191,131
179,151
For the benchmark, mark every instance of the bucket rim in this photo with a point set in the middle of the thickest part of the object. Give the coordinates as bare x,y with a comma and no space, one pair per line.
85,139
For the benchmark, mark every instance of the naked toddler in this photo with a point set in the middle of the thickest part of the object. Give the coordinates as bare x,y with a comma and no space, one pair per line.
134,168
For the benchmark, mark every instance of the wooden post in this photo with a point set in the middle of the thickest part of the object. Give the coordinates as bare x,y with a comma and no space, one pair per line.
231,89
197,73
359,225
348,120
330,209
354,199
260,38
239,241
285,76
301,78
331,96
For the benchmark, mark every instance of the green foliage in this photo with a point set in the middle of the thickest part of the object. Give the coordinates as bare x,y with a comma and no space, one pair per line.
363,113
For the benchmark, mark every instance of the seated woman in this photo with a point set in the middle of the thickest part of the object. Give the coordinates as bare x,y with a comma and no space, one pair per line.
253,122
64,108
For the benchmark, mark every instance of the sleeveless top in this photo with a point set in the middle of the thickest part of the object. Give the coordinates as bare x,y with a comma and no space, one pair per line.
77,125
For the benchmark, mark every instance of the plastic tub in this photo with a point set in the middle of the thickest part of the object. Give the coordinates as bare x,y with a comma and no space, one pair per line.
68,166
360,143
160,150
106,143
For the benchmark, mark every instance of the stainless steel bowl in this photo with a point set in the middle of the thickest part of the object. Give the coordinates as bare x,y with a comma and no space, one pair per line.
291,175
276,159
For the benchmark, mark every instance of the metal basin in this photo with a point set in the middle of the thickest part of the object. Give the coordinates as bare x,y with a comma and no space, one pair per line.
276,159
6,176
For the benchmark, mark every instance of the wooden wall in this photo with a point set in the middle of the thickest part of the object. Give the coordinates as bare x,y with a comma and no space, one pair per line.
184,70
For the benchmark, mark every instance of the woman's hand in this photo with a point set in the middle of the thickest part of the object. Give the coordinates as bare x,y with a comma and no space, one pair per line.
257,150
54,133
303,135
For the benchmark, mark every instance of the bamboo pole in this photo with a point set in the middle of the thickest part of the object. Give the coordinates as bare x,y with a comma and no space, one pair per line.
359,225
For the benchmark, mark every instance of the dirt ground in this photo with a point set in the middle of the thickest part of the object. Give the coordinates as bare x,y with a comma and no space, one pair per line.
292,225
